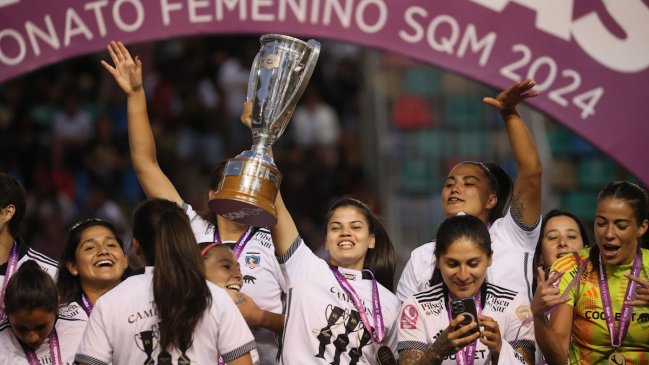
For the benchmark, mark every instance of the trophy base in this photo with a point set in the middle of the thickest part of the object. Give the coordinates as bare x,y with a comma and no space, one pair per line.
247,192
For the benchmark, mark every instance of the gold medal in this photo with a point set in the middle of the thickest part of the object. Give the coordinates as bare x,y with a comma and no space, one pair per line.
616,358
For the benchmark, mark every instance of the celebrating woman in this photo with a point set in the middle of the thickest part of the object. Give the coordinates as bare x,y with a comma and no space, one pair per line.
484,190
429,334
561,234
170,313
268,287
342,310
602,300
92,263
38,330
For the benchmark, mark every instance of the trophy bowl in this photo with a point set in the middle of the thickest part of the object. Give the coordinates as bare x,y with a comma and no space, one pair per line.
279,75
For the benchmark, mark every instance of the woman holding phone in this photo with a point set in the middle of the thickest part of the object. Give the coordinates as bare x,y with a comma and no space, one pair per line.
436,325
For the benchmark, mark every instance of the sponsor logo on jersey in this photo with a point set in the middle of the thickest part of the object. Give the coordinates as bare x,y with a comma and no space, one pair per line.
409,317
349,276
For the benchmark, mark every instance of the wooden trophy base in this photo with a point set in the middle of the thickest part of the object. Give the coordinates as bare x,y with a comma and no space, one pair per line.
247,192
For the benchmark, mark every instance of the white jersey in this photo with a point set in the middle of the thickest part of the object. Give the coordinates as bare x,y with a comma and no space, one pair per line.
263,280
123,328
322,325
424,317
25,253
69,326
513,244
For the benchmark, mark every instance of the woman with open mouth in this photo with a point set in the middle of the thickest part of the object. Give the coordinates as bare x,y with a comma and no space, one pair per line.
92,263
439,326
602,298
170,313
339,310
512,212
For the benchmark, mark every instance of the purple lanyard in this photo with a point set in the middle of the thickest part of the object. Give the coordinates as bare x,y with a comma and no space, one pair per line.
379,332
55,351
12,264
86,304
241,243
467,354
220,361
627,310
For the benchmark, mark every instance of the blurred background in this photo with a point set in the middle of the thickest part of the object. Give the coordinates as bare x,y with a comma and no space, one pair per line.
372,124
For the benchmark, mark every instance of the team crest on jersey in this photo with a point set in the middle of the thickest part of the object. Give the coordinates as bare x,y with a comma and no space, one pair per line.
409,317
253,260
524,313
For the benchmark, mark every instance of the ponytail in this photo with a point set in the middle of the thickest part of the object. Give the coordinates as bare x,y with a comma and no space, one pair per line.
180,290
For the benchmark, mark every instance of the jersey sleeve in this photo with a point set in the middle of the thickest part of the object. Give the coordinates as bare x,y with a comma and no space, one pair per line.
411,330
419,268
300,263
516,232
518,329
234,337
203,230
95,347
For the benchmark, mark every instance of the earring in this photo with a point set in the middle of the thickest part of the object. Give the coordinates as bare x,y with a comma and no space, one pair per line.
75,273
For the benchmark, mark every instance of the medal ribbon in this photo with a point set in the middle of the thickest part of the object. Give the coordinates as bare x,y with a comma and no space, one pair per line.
86,304
379,331
55,351
627,310
238,247
12,266
467,354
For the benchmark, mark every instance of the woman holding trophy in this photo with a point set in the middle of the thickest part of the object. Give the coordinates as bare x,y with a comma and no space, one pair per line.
249,242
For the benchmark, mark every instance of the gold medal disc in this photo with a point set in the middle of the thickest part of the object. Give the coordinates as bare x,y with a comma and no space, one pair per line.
616,358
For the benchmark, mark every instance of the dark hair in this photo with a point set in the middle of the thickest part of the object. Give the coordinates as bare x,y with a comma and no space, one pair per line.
31,288
500,184
13,193
536,262
380,259
454,228
167,242
634,195
69,285
215,178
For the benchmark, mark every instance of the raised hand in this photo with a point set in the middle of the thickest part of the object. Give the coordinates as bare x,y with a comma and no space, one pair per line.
491,335
127,72
513,95
246,114
642,292
547,296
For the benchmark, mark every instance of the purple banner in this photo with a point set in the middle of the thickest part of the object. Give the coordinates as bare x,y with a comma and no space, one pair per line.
589,58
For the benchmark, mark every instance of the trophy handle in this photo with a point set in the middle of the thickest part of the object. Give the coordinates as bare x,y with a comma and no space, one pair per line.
252,80
304,81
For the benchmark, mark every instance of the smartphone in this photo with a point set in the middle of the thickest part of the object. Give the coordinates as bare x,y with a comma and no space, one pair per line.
465,307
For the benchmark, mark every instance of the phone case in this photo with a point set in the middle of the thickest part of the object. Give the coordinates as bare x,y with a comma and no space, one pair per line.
466,307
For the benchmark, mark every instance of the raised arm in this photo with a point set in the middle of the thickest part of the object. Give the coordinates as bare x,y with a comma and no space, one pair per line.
526,197
284,232
128,75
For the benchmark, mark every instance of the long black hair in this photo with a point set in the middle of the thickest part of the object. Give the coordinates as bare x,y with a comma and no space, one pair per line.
634,195
455,228
70,285
31,288
380,259
180,290
12,192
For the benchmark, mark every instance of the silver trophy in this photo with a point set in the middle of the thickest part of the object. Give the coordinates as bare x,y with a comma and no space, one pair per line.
280,73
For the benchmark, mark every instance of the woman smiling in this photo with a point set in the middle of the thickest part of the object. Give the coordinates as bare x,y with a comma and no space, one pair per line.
92,263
